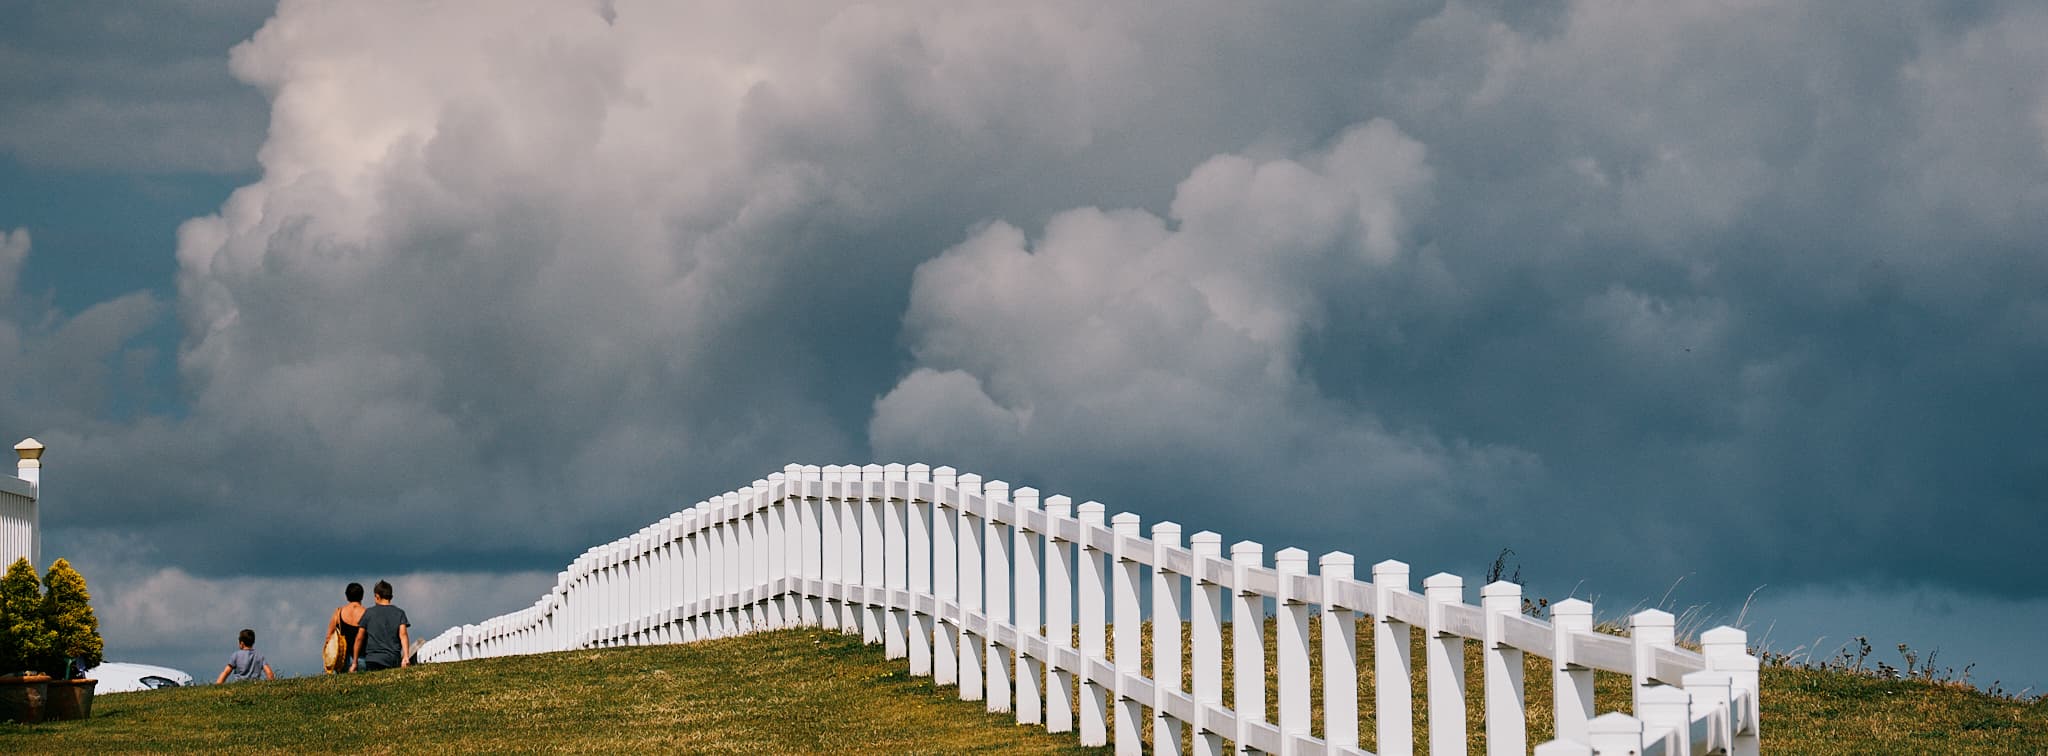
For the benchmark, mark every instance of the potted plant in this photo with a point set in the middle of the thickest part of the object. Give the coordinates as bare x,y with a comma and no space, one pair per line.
26,643
67,611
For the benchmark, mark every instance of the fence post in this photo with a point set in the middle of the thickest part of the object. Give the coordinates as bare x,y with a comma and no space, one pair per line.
619,630
1393,663
671,577
720,552
643,590
1340,654
775,558
895,568
735,565
853,611
1649,631
1726,649
597,610
834,546
1166,652
29,468
750,556
1571,683
622,603
1713,692
946,576
629,600
1507,724
704,566
1127,624
1094,643
1030,612
704,569
763,555
683,579
1667,715
558,625
1248,636
995,540
607,604
1291,650
872,579
813,519
1205,617
1615,734
743,548
718,548
971,651
834,525
655,591
1446,668
1059,615
793,544
919,536
565,630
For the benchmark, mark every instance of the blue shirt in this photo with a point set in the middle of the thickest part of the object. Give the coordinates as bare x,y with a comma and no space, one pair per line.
245,664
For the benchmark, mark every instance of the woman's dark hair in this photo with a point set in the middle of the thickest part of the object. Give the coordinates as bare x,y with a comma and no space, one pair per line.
383,590
354,591
248,637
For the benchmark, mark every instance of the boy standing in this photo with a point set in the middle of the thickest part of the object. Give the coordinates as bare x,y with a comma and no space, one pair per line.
245,661
382,641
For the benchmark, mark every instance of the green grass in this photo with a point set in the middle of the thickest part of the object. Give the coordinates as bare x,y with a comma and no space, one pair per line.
797,691
794,691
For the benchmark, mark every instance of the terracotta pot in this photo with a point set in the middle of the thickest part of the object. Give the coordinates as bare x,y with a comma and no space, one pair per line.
70,699
23,698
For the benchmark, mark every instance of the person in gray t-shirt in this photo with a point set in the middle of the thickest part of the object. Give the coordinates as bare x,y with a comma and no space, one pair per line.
245,662
382,637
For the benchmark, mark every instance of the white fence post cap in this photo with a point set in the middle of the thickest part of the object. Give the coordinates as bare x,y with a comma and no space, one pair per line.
1501,589
1291,560
1653,624
29,449
1614,722
1249,552
1724,636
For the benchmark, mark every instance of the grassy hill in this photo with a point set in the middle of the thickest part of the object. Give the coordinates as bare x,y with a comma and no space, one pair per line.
801,691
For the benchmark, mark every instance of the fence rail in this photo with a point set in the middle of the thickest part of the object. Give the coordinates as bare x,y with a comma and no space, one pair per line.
983,588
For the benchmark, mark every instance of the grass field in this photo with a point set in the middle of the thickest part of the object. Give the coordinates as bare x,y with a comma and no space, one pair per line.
806,691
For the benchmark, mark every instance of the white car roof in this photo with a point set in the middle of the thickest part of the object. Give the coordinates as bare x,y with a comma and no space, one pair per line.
123,677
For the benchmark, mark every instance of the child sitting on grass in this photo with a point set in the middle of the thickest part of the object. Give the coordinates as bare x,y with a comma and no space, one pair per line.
245,661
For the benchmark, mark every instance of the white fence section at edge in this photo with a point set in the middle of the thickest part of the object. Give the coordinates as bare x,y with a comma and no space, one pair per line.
20,521
930,563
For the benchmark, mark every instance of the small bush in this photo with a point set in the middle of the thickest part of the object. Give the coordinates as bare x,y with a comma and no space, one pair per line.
67,609
26,641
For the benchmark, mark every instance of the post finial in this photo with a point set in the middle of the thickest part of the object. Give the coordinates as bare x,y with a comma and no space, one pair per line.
29,450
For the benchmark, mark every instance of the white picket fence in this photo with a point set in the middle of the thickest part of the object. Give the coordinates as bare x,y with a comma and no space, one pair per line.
981,587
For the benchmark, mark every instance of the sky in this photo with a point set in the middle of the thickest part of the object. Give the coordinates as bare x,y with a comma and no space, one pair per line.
1733,307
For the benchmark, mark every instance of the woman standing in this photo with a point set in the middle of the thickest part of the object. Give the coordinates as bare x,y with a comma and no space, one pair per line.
344,622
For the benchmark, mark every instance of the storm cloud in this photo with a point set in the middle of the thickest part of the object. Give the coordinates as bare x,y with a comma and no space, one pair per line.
1735,293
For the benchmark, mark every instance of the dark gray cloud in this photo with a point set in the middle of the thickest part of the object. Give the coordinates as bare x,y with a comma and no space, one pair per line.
128,87
1746,293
